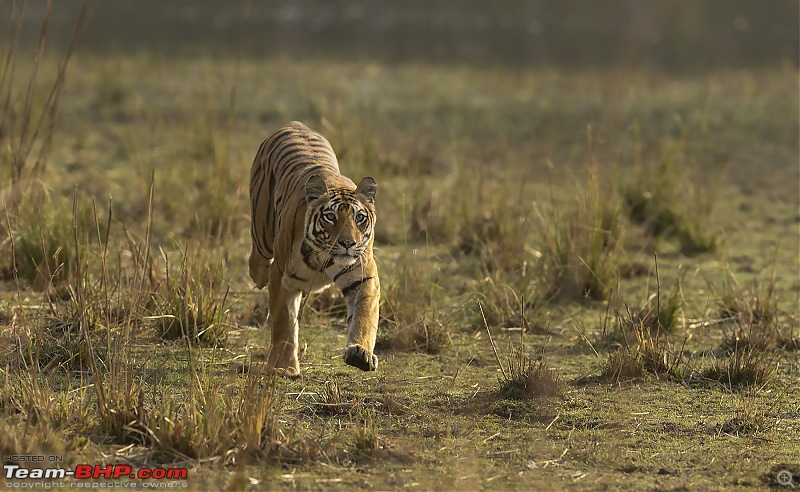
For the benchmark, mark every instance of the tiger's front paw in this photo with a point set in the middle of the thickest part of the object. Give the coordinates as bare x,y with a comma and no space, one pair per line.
358,356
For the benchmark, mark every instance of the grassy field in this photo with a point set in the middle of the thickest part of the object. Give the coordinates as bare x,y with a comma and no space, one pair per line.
590,278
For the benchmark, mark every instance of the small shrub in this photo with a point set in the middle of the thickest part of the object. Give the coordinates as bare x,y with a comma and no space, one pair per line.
624,364
579,257
641,345
188,305
665,203
43,243
365,433
528,378
744,367
749,419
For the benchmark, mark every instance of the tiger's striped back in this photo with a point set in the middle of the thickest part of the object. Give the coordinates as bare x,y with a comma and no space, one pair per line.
282,166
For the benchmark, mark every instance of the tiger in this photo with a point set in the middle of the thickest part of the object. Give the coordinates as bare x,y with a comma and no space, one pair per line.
312,227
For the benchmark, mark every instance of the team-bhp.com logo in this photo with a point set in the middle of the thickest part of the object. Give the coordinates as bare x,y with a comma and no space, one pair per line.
96,471
18,477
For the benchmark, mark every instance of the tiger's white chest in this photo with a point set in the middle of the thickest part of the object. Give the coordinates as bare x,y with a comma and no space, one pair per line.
298,276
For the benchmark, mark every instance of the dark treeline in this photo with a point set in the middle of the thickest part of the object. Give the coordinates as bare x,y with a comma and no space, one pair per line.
664,34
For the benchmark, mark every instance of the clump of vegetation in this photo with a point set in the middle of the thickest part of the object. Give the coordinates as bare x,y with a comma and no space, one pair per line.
624,364
58,340
365,433
750,306
219,419
656,316
121,412
43,246
581,247
641,343
426,336
330,400
499,238
188,304
33,440
411,307
647,353
752,317
523,377
749,419
527,378
33,398
663,201
744,367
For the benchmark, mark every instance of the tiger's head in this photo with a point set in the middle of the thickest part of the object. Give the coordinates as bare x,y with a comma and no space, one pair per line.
340,222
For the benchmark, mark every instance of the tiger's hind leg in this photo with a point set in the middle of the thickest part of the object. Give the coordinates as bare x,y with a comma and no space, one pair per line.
284,308
259,268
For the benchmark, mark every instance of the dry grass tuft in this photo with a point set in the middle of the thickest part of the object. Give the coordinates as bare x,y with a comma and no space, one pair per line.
365,433
528,378
580,252
744,367
749,419
641,345
188,304
624,364
330,401
755,317
656,316
756,305
666,204
411,316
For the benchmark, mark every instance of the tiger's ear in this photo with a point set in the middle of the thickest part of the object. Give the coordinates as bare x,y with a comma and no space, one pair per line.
367,187
315,188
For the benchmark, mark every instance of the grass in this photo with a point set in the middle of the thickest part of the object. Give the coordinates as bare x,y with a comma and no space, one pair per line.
665,202
644,350
744,367
580,256
528,378
189,305
365,434
484,199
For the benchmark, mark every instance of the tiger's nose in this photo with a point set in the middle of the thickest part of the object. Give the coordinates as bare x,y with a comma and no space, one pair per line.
347,243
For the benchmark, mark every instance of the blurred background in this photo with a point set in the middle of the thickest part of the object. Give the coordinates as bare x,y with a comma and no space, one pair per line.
662,34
